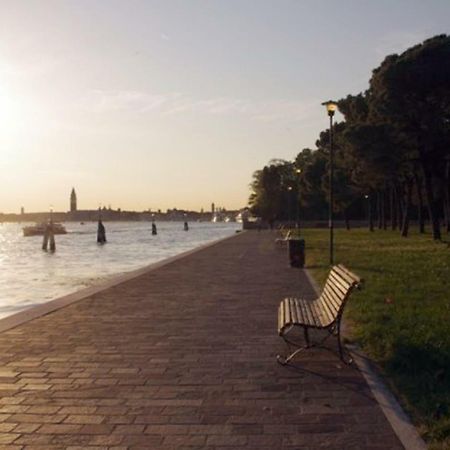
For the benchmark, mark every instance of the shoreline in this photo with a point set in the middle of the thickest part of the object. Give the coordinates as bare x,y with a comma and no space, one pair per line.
28,314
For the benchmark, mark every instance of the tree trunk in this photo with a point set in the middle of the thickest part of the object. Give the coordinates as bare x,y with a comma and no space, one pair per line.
407,207
445,209
346,220
447,195
369,212
420,216
383,209
431,202
393,208
400,205
379,219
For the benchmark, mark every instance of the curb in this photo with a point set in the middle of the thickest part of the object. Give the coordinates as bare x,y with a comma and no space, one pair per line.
394,413
34,312
400,422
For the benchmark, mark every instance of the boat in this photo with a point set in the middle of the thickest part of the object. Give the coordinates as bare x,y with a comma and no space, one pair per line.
39,229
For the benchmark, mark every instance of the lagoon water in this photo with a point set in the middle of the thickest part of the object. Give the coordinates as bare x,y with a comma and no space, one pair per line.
30,276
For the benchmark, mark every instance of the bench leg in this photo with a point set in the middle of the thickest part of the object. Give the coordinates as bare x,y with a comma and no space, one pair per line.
347,358
283,360
305,331
334,331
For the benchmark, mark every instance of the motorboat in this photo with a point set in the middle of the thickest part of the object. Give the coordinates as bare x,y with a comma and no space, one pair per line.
39,229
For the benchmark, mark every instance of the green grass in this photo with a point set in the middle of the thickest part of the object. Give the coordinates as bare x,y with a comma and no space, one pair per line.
401,318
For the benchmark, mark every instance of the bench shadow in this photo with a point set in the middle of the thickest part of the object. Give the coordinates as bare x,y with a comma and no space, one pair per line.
358,386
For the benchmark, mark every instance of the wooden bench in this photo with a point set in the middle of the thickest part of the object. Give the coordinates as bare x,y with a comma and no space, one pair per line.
323,313
284,238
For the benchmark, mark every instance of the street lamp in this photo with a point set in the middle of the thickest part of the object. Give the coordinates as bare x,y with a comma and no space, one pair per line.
331,108
289,205
297,200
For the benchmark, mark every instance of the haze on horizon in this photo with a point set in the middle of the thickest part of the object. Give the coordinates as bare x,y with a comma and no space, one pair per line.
162,104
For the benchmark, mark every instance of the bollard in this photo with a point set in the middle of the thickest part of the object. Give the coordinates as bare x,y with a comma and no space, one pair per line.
49,238
46,238
101,233
52,241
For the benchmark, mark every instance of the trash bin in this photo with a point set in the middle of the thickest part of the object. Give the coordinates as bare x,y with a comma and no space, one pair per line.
296,249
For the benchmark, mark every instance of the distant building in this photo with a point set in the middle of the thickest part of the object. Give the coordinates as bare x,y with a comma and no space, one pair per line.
22,210
213,208
73,201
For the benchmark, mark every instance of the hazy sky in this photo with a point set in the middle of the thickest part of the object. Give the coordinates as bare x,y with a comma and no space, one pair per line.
160,104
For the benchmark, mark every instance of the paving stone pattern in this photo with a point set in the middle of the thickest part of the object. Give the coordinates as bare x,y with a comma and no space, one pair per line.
183,357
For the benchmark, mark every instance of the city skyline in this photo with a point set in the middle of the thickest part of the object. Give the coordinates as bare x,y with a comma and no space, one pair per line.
175,104
73,206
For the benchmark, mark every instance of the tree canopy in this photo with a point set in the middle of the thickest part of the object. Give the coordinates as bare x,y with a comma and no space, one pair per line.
391,150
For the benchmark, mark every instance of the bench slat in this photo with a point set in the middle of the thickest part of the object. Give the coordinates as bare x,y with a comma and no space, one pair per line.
287,316
329,296
328,315
341,283
283,314
319,312
280,316
307,313
346,274
299,312
293,311
302,316
338,294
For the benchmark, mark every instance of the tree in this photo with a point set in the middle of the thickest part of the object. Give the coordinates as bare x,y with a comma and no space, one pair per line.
411,91
269,198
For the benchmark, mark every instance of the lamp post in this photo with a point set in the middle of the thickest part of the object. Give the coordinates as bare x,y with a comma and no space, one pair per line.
289,189
369,212
297,200
331,108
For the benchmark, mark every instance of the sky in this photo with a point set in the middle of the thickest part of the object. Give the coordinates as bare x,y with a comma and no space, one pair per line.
175,103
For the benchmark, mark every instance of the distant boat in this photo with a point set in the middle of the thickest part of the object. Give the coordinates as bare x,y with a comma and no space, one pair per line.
39,229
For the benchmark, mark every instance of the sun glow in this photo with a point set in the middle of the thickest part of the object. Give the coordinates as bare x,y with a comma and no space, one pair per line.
14,113
10,111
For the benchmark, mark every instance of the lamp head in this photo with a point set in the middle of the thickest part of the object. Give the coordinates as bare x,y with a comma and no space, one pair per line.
331,107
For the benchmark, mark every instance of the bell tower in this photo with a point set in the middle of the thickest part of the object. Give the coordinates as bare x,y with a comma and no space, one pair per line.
73,201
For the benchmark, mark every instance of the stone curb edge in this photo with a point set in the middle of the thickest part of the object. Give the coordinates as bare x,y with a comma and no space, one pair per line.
43,309
394,413
396,416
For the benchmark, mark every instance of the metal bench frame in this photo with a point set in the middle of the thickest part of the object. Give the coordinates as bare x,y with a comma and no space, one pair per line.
323,313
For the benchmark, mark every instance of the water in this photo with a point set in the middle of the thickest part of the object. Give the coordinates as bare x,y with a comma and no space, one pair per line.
30,276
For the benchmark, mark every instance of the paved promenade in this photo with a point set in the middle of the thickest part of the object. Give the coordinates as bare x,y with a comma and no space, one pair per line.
183,357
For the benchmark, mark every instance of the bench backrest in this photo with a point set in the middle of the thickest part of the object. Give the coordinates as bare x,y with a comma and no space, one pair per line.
339,285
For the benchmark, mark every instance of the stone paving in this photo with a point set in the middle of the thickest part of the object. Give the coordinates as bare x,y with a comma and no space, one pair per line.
183,357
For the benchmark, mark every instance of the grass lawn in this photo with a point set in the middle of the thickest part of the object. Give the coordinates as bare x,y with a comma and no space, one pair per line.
401,318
